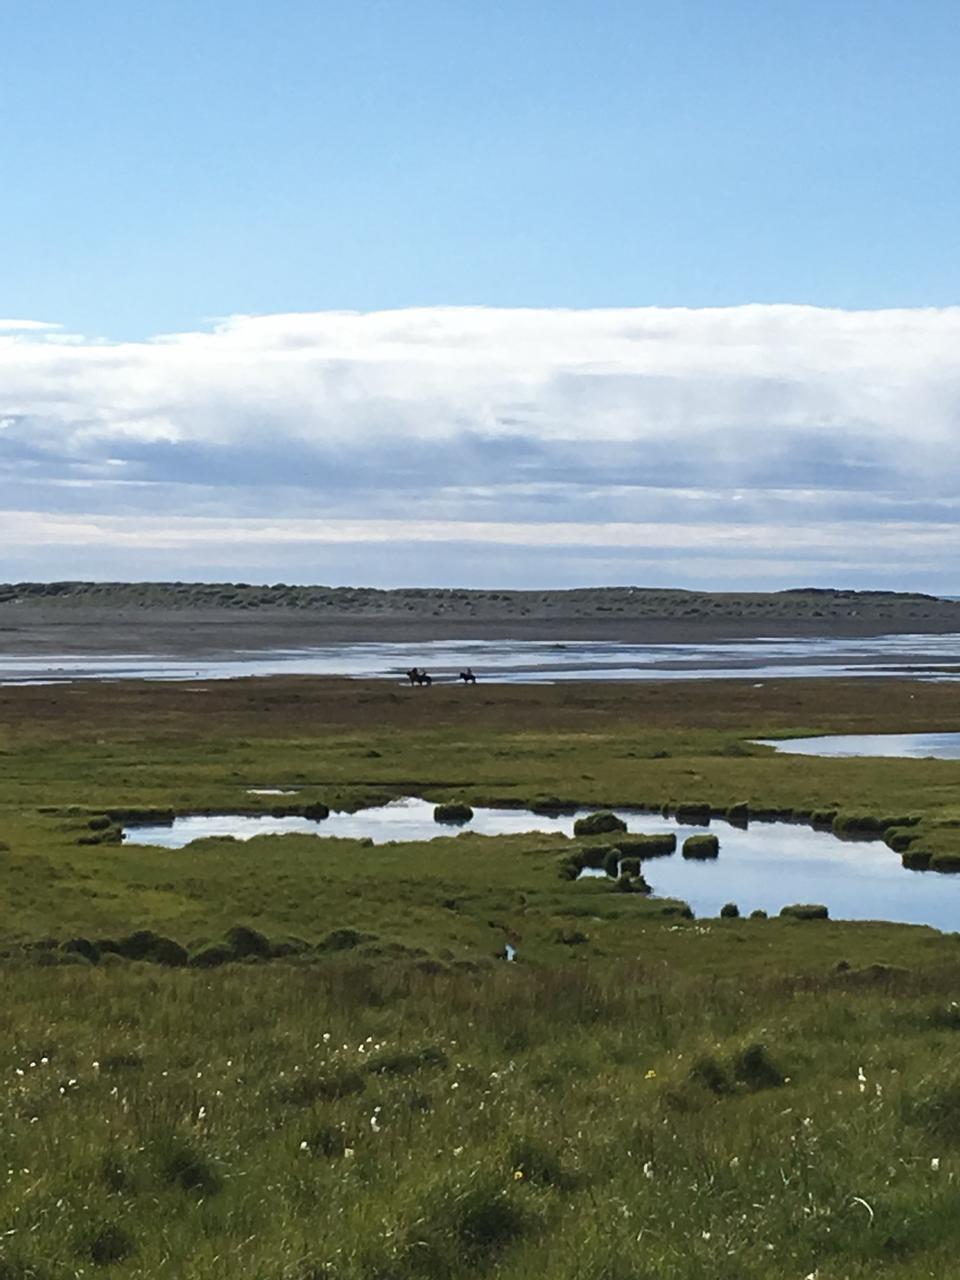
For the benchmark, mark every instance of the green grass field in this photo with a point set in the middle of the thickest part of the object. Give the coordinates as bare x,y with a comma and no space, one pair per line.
379,1096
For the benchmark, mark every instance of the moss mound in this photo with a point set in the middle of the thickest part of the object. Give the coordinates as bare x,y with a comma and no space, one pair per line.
144,944
81,947
592,855
900,840
631,884
550,805
805,911
316,812
649,846
107,1244
244,941
212,956
693,813
754,1068
868,824
595,824
343,940
452,813
406,1062
916,859
701,847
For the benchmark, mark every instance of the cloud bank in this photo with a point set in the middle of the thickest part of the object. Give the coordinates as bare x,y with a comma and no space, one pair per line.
754,446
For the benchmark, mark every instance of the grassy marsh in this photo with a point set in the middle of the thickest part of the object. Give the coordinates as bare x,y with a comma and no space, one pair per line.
636,1096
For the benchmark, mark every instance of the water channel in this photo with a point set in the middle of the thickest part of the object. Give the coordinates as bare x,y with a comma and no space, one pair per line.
768,865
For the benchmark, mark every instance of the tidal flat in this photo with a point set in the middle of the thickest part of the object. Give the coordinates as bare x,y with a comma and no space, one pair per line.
291,1058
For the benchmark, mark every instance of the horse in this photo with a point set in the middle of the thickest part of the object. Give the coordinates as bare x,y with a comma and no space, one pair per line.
467,676
418,677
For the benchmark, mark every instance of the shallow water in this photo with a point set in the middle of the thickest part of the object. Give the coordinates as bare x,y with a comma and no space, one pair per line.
907,746
768,865
526,661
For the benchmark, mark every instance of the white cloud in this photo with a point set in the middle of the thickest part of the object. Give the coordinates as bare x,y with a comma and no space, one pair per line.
41,528
26,326
757,426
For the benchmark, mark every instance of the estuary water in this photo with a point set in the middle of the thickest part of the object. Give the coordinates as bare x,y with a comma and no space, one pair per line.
524,661
768,865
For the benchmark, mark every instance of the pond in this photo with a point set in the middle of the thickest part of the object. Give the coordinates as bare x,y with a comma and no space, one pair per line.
768,865
907,746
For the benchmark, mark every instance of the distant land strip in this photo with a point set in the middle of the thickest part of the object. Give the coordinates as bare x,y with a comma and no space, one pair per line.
188,617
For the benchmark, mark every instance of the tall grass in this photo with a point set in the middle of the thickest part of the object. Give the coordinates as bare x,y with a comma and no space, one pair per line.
537,1122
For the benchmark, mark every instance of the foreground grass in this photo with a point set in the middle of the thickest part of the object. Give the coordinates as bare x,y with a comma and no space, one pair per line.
572,1122
635,1097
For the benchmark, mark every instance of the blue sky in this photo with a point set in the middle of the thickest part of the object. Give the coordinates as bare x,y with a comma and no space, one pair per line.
175,161
167,167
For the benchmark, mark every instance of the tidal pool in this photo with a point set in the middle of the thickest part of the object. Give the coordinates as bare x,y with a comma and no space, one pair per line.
768,865
907,746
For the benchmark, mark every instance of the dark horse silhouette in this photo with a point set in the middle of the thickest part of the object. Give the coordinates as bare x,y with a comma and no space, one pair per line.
467,676
418,677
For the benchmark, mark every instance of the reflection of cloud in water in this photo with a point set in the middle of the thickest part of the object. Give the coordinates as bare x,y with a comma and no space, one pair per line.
903,746
768,865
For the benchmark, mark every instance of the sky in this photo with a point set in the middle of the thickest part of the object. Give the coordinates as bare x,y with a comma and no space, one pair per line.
409,292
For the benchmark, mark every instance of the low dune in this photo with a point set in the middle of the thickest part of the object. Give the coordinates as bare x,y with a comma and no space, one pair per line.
196,618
